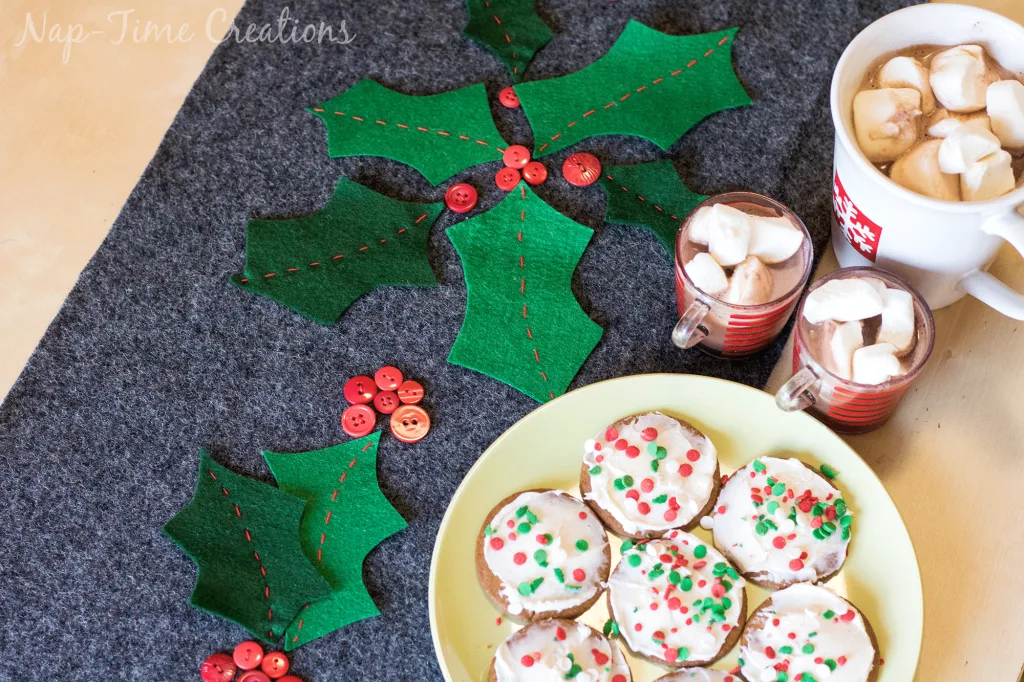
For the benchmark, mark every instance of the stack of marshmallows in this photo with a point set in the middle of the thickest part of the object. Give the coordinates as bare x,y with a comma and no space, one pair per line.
866,328
744,243
973,118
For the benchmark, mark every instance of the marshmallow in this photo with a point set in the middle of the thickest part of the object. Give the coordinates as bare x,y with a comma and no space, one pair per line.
706,274
918,170
965,145
988,178
943,121
886,122
898,326
876,364
878,285
845,340
1005,102
728,231
959,77
698,230
907,72
773,240
843,300
751,284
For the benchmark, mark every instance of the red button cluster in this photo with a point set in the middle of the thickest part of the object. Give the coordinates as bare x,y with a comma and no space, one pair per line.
391,394
248,659
519,166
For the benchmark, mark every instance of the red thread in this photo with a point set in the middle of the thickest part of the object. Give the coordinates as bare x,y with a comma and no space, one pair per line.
328,519
629,191
357,118
330,512
445,133
522,290
379,122
318,110
463,137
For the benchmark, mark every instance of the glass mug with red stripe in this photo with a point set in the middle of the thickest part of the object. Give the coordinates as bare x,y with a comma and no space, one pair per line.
842,404
731,330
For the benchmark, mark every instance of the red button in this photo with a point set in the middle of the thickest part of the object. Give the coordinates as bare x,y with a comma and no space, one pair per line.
516,156
275,664
218,668
508,97
410,392
248,655
507,179
581,169
289,678
535,173
359,390
386,402
460,197
253,676
410,423
388,378
358,420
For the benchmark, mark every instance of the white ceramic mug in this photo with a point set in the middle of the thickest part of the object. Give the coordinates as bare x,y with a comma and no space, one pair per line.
941,247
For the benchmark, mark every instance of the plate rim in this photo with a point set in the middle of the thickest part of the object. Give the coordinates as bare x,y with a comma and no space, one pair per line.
811,423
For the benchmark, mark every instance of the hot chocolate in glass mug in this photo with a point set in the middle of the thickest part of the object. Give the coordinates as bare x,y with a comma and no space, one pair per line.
941,247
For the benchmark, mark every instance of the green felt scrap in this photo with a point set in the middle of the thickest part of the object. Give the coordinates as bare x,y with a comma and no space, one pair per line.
438,135
346,516
317,265
243,536
509,28
648,195
649,84
523,326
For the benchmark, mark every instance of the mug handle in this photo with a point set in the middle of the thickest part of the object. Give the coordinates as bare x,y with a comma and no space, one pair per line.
800,392
690,330
985,287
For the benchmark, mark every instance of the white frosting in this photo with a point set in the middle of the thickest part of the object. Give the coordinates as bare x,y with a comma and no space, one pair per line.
773,526
826,639
699,675
621,461
547,549
541,653
676,599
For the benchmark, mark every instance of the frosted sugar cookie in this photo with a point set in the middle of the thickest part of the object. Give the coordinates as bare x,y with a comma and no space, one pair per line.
558,650
699,675
810,633
677,601
649,473
542,554
781,523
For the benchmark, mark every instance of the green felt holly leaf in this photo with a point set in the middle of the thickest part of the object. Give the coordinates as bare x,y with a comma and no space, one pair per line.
509,28
649,84
523,326
346,516
243,536
648,195
317,265
438,135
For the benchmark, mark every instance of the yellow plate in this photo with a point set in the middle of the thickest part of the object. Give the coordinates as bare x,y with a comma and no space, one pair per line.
545,448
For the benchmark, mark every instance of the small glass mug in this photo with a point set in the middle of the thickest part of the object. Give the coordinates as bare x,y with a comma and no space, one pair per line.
724,329
845,406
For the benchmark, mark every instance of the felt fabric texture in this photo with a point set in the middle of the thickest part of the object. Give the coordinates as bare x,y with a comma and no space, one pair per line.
523,326
651,196
438,135
649,84
154,355
509,28
317,265
346,516
243,536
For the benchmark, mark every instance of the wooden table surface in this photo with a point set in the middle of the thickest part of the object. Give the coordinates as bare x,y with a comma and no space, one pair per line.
75,136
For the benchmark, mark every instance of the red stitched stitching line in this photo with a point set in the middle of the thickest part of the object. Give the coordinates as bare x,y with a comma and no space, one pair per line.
522,290
334,258
327,520
259,562
624,97
515,69
443,133
629,191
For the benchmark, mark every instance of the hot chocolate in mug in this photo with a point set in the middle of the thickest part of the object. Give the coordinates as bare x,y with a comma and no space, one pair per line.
941,247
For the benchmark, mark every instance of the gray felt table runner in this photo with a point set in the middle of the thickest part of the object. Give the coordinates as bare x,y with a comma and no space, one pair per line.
155,355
